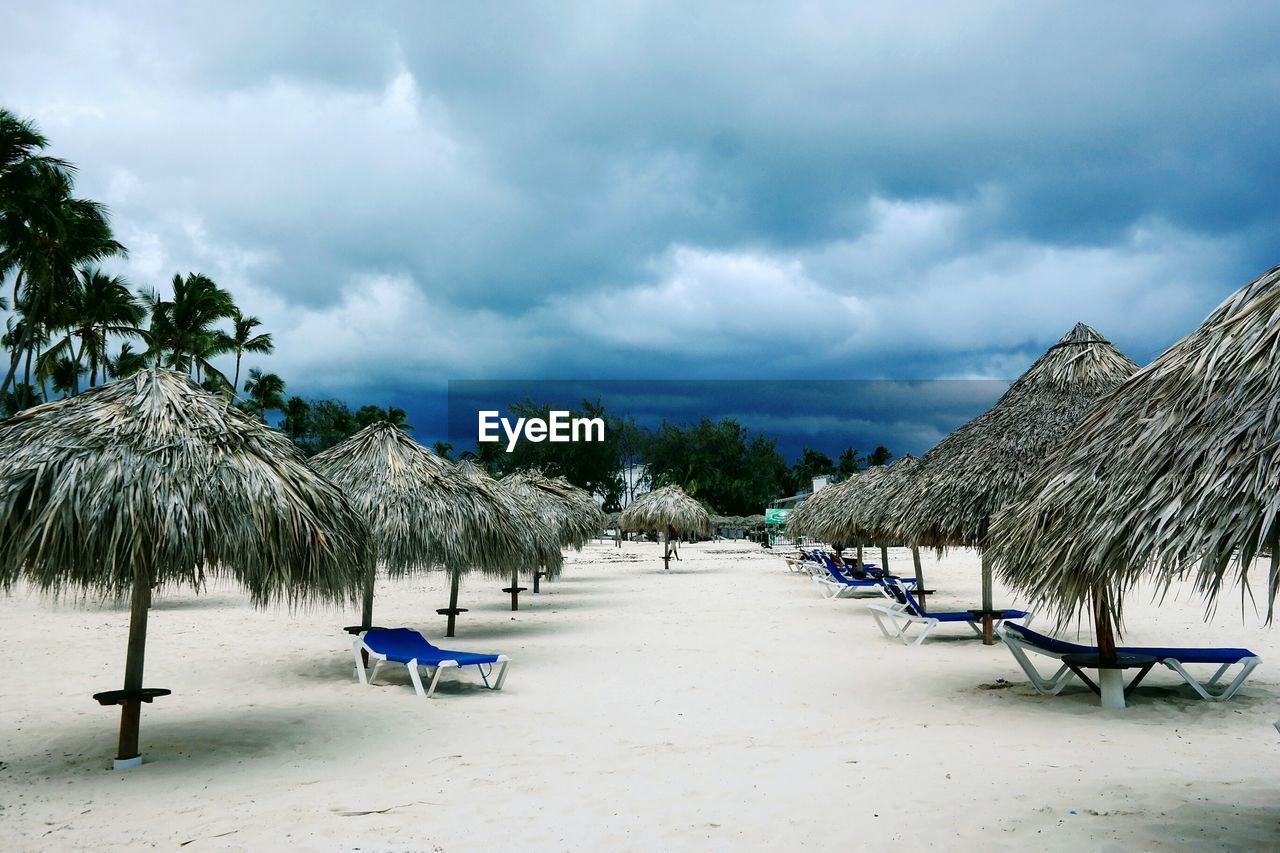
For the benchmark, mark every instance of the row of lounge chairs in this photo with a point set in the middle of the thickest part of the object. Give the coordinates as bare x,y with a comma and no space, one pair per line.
904,619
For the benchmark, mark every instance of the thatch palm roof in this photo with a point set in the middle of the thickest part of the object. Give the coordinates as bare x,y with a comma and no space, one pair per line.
578,518
543,538
957,486
422,512
153,477
1177,472
815,515
871,516
667,507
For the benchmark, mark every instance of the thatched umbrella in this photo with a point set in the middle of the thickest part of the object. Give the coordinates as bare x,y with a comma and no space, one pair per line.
959,484
818,516
1176,474
422,512
151,481
823,514
879,521
863,510
570,512
542,534
667,509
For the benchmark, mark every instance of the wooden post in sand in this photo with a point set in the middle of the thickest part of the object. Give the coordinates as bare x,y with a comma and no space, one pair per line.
127,754
859,557
666,550
366,611
452,610
515,589
1110,678
915,560
884,559
988,621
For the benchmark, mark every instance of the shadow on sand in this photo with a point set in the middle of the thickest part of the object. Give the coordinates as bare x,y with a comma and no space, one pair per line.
183,744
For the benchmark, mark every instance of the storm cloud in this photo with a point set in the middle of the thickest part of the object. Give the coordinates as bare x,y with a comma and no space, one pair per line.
408,194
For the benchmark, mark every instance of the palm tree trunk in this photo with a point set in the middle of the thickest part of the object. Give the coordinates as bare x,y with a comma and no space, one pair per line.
235,383
75,361
26,339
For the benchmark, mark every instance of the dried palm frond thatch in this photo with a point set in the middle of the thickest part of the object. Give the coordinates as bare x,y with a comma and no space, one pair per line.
151,481
581,518
422,512
815,516
535,515
667,507
950,496
568,511
957,486
1176,474
669,510
877,519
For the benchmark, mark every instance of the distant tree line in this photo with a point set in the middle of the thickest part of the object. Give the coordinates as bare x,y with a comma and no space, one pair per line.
722,463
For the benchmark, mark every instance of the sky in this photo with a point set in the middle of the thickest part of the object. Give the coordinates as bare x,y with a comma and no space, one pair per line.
412,193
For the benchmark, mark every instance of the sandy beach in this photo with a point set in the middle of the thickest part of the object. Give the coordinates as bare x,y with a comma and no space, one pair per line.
723,705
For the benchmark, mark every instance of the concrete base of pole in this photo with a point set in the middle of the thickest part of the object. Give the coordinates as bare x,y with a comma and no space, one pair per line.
1111,685
126,763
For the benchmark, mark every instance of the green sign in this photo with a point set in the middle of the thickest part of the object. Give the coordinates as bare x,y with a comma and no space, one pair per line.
776,516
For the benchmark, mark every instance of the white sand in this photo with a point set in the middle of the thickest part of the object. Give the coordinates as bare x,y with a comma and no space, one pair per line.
724,705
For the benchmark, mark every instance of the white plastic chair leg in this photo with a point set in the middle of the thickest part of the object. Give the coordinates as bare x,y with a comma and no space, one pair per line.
502,672
360,674
417,679
435,676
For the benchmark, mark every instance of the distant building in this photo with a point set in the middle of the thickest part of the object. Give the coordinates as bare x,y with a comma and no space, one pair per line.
635,482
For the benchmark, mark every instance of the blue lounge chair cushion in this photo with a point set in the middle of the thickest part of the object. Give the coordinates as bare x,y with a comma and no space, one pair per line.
404,644
1063,647
904,596
869,580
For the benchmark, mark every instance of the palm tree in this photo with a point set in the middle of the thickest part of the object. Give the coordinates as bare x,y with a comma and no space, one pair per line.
242,340
96,307
183,336
20,147
297,419
64,375
443,449
265,392
45,234
366,415
126,363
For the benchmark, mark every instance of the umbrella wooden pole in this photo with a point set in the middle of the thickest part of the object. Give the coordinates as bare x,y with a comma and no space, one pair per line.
515,589
366,610
1273,577
453,604
131,706
884,559
1110,679
859,558
915,560
988,622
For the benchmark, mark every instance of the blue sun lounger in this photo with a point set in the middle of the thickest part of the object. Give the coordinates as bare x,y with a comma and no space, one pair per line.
1019,639
406,646
832,583
896,620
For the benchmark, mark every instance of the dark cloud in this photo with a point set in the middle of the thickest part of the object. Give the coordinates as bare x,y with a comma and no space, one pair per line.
409,194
